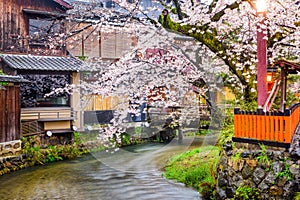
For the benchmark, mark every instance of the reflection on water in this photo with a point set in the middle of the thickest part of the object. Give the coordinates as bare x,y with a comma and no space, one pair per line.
88,178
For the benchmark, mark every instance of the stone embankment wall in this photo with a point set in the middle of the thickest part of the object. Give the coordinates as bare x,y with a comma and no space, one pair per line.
12,158
12,163
274,173
10,148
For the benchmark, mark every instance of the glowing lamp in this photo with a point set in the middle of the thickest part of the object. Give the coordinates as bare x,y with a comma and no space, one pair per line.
261,6
269,77
49,133
139,55
74,128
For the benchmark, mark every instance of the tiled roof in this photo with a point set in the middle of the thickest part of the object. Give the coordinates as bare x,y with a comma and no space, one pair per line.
63,3
47,63
13,79
96,65
291,66
43,12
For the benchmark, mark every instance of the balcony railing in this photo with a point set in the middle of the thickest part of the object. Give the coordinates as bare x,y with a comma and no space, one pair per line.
48,114
270,128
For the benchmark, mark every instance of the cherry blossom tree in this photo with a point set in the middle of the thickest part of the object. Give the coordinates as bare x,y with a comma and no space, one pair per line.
226,28
137,76
200,38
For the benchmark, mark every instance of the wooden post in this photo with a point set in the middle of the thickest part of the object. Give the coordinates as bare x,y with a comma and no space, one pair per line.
82,45
100,43
261,64
283,75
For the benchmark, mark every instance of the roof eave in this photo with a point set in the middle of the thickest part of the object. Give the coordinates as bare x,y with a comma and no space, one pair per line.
64,4
42,12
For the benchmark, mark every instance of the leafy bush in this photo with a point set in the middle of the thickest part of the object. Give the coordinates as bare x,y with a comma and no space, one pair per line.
297,197
227,131
36,155
53,154
71,151
286,172
225,136
245,192
125,139
263,158
33,151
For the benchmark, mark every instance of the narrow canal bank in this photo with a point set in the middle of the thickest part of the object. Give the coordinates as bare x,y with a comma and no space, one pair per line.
132,174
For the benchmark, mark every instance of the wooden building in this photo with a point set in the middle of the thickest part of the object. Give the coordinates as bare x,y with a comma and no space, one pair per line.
10,109
27,26
46,102
32,45
91,42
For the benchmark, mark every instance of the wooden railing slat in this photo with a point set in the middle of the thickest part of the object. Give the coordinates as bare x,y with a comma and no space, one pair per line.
281,133
255,128
277,128
273,126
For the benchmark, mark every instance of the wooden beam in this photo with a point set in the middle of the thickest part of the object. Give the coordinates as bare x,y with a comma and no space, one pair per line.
283,76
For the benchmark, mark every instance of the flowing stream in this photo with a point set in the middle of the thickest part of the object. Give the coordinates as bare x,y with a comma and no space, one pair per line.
131,173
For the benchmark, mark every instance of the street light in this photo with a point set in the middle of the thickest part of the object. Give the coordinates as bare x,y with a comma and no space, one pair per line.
261,9
270,77
261,6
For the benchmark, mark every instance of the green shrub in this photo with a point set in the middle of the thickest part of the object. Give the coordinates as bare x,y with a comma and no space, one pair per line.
225,136
245,192
125,139
297,197
286,172
32,151
35,155
77,138
53,154
263,158
70,151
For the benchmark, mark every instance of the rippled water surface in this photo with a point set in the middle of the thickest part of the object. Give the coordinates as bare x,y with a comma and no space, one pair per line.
133,173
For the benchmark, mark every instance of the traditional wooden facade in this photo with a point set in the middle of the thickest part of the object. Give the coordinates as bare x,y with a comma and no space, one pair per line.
42,108
90,42
23,23
10,109
32,46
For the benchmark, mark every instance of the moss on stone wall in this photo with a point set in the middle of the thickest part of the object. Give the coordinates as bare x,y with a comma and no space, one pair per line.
274,173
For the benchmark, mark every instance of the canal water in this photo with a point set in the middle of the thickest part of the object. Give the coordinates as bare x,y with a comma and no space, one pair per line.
131,173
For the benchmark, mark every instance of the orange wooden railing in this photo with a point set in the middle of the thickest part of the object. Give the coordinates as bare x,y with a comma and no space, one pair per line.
277,127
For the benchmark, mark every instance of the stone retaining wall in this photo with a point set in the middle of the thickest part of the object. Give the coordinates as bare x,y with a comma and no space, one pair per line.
12,163
274,173
10,148
12,158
